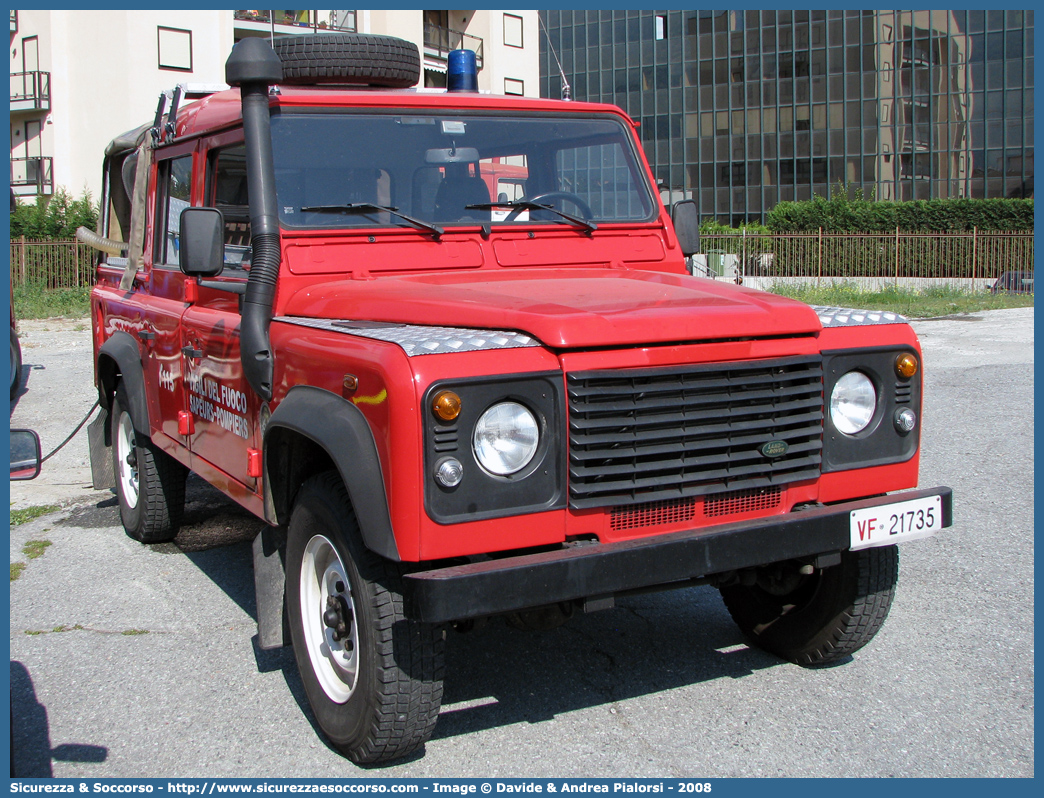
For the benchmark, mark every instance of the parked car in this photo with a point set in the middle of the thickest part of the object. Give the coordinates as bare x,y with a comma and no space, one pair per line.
16,348
25,454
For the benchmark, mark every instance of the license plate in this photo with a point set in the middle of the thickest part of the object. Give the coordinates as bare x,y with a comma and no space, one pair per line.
893,523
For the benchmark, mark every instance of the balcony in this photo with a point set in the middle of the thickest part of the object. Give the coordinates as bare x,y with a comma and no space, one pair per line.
31,177
290,22
439,41
30,91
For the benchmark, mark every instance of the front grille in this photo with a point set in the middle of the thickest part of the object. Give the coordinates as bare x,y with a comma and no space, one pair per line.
652,514
741,501
647,435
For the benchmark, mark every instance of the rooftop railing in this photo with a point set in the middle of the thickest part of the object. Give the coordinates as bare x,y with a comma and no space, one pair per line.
32,176
31,91
298,20
439,41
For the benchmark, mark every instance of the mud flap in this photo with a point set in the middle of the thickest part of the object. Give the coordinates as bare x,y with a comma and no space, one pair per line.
98,434
273,631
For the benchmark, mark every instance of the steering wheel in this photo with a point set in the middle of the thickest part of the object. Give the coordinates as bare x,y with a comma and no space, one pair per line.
585,210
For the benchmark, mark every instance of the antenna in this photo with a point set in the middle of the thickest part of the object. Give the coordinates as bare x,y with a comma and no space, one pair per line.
567,93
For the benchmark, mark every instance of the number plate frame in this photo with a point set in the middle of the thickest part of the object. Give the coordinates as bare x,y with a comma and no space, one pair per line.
895,523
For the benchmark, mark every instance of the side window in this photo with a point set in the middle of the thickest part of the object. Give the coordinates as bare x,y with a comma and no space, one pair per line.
227,191
172,197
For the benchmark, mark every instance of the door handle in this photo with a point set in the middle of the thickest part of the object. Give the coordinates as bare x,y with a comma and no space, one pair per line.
189,351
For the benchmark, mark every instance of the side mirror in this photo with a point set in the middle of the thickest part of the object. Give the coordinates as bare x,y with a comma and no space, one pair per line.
686,226
202,242
25,454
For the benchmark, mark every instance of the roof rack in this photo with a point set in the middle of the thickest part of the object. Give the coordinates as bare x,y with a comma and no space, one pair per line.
162,133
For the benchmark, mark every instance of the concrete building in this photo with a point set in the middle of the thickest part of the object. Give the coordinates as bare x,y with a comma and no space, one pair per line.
79,78
744,109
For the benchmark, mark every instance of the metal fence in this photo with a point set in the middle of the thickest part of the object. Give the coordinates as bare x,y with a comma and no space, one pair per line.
973,261
970,260
52,264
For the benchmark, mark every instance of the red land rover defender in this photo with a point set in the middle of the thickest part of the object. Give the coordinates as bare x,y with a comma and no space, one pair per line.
446,345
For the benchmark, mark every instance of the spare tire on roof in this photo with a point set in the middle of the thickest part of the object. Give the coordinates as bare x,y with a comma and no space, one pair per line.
348,58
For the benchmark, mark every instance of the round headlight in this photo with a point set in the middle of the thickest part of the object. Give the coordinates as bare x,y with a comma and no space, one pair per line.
852,402
506,438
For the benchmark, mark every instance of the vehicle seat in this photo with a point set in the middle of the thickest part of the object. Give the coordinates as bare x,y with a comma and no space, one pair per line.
456,192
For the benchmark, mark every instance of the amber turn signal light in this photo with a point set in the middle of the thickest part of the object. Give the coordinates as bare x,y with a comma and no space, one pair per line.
906,365
446,405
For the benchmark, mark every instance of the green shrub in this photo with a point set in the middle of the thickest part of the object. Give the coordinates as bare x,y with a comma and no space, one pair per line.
843,214
54,218
714,227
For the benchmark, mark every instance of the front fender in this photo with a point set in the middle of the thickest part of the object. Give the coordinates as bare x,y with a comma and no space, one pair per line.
311,428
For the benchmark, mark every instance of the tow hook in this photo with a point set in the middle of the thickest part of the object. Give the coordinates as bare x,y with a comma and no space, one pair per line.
338,617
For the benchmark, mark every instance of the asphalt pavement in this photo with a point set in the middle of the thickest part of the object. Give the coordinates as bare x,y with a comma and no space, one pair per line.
141,661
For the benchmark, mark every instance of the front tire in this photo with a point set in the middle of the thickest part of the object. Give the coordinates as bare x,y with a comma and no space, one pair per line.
823,617
372,676
150,484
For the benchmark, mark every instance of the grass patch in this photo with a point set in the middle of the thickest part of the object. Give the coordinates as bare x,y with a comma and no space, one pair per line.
35,548
27,514
915,304
33,301
16,570
57,629
135,632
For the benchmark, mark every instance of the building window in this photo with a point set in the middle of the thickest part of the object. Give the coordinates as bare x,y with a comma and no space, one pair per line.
513,31
733,174
174,49
659,27
513,86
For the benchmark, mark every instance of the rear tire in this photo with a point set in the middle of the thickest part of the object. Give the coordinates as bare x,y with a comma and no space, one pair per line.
820,618
150,484
372,676
348,58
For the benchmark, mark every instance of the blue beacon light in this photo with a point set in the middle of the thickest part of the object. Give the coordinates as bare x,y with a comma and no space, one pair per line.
461,71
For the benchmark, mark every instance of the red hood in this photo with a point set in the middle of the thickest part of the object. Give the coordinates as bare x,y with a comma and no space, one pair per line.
567,309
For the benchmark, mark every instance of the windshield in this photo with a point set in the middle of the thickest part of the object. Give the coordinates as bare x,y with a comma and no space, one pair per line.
337,170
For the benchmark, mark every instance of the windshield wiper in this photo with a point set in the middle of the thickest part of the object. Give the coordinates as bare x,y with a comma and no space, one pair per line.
369,207
526,205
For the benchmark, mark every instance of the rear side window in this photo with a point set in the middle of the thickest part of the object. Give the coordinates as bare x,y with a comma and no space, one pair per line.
172,197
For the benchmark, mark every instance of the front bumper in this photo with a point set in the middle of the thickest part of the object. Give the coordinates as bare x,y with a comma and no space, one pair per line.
601,570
